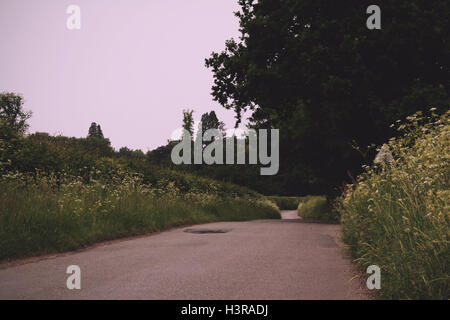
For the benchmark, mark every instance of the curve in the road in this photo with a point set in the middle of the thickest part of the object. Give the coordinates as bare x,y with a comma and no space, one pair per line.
262,259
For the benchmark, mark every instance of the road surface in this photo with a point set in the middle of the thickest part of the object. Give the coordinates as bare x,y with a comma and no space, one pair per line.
262,259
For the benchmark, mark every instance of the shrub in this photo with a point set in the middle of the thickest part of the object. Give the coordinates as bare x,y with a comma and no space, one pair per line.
396,215
287,203
316,208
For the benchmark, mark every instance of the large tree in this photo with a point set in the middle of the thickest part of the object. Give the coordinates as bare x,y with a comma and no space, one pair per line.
188,122
13,126
95,131
314,70
209,121
12,113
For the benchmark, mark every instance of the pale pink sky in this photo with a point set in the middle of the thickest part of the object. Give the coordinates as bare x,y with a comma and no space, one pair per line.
133,67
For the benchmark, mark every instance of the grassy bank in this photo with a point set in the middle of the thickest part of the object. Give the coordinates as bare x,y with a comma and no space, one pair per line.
42,214
397,214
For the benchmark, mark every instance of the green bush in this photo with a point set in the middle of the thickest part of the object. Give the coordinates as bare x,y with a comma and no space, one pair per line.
397,214
287,203
316,208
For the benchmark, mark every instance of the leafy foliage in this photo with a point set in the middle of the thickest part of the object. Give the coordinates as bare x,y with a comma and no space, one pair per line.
317,208
12,114
188,121
287,203
313,70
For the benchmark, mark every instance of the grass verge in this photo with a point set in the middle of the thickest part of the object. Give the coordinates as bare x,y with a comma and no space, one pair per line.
397,215
41,214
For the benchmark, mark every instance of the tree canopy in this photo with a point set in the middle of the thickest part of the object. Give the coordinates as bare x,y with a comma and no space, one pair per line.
95,131
188,121
12,113
209,121
312,69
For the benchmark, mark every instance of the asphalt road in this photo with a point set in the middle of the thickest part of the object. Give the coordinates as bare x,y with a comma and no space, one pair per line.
263,259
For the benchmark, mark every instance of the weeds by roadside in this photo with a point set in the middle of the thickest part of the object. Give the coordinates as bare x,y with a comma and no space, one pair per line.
47,213
397,215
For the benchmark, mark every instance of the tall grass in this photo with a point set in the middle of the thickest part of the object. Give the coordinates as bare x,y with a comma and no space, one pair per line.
397,214
42,214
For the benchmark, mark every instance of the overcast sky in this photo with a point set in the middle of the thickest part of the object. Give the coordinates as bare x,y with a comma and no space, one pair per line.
132,67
